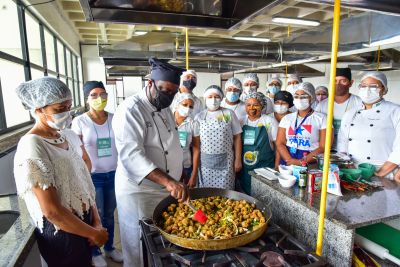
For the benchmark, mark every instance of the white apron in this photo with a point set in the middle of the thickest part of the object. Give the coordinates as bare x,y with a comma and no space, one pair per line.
216,157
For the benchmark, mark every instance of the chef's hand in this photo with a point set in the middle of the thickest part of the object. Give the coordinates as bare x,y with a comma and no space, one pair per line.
238,165
386,168
192,182
99,237
397,177
178,190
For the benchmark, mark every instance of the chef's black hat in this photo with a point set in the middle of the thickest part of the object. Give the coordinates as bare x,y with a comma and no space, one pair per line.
345,72
162,71
284,96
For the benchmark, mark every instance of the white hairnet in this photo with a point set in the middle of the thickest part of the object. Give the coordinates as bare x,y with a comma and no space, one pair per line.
294,77
274,79
321,88
188,72
308,88
41,92
235,82
257,95
251,77
183,96
213,89
377,75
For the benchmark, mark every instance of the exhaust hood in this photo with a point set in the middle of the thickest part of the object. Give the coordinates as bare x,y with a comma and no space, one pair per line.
222,14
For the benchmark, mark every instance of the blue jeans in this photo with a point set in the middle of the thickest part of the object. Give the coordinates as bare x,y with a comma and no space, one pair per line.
106,204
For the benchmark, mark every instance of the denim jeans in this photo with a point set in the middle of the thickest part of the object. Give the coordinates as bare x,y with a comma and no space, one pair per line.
106,204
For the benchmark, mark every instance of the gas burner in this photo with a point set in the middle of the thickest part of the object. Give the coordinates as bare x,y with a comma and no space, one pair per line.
275,248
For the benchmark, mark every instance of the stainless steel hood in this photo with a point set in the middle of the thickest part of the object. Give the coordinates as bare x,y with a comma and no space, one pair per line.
223,14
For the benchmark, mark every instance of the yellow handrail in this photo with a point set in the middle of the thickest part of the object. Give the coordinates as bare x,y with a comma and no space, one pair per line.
187,47
327,153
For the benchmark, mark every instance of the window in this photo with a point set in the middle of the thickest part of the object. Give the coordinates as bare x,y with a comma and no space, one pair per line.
61,59
69,70
34,44
10,41
11,75
36,73
50,53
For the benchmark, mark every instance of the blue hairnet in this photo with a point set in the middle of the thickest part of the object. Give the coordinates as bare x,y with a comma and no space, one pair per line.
251,77
42,92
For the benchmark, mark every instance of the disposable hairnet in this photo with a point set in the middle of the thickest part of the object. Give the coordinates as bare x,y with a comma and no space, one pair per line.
377,75
251,77
42,92
274,79
187,72
321,88
235,82
294,77
213,89
308,88
183,96
257,95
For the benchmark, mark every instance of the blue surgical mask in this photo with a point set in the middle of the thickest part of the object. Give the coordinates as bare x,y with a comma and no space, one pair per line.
274,89
232,96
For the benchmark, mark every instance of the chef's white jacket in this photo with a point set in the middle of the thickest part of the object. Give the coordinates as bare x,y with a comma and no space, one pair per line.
372,135
146,139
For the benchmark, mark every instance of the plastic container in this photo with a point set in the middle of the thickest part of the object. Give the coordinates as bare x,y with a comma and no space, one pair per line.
286,180
286,169
351,174
367,170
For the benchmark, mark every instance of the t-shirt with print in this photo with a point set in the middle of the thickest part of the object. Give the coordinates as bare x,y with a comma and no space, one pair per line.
306,136
265,121
221,114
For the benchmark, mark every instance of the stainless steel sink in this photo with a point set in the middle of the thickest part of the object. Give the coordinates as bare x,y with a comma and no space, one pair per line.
7,219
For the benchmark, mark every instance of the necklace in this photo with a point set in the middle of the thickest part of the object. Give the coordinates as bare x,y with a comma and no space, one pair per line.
56,141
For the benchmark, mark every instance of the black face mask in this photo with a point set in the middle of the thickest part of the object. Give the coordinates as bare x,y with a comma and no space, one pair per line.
162,99
189,84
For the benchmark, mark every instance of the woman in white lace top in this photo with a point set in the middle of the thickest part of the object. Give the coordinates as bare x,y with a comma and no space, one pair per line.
51,173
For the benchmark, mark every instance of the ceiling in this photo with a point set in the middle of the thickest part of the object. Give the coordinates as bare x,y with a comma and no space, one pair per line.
125,51
260,26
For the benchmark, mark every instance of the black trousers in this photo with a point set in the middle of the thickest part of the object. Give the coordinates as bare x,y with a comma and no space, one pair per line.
63,249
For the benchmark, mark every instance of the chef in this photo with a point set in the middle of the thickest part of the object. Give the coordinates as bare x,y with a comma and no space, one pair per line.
344,101
274,86
187,84
292,80
371,134
149,155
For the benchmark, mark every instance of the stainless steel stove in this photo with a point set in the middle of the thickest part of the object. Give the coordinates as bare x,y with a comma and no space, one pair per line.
275,248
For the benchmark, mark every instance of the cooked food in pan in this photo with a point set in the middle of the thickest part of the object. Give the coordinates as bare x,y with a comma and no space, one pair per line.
226,218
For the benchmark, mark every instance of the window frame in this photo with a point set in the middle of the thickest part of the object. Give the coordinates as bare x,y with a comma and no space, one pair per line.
28,65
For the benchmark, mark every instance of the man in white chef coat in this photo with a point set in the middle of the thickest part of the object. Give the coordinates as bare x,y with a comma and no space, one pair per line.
149,155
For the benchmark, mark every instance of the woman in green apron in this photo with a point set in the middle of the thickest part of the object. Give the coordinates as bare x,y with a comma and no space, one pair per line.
259,135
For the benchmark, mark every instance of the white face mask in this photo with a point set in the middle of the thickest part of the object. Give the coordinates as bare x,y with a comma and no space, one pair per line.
280,109
290,88
213,103
248,89
301,104
60,120
369,95
184,111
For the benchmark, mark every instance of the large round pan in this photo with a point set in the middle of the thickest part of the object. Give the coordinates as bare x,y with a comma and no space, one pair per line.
212,244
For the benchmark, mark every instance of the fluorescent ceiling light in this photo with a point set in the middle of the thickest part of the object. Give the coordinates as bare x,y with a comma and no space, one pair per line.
253,39
139,33
392,40
296,21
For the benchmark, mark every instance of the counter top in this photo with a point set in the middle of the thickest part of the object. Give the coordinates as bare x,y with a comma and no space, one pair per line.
353,209
18,241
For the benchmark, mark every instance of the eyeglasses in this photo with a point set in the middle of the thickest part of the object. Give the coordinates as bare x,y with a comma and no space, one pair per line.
372,87
301,96
254,106
102,95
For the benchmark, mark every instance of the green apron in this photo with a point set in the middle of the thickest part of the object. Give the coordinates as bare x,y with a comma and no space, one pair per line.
257,153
